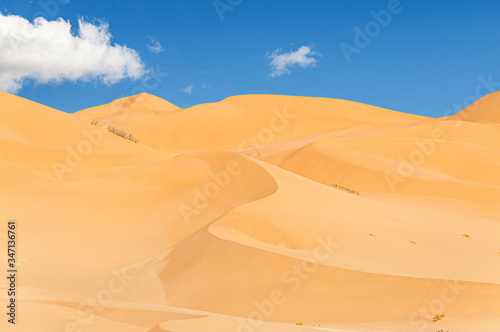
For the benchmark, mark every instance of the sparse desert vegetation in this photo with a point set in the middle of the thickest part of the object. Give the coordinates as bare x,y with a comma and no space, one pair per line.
350,191
438,317
117,131
122,133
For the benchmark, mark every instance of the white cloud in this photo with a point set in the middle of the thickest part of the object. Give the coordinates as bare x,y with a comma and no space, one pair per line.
205,86
281,63
154,46
47,52
188,89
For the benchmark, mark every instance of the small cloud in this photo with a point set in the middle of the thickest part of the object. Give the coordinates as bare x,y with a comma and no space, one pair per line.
154,46
282,62
47,52
205,85
188,89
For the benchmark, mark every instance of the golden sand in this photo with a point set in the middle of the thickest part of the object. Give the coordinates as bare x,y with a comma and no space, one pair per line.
255,213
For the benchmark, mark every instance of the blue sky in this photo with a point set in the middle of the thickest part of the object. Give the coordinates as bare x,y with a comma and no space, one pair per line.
427,58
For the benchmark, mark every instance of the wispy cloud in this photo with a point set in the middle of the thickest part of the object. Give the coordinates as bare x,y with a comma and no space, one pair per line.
281,63
47,52
188,89
205,85
154,46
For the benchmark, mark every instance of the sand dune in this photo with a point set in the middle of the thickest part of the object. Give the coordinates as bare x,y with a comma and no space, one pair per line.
485,110
244,121
254,213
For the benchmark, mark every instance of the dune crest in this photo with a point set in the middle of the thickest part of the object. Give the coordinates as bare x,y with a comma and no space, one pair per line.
485,110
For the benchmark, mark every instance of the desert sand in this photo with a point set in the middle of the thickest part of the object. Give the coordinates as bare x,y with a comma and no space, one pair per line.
255,213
